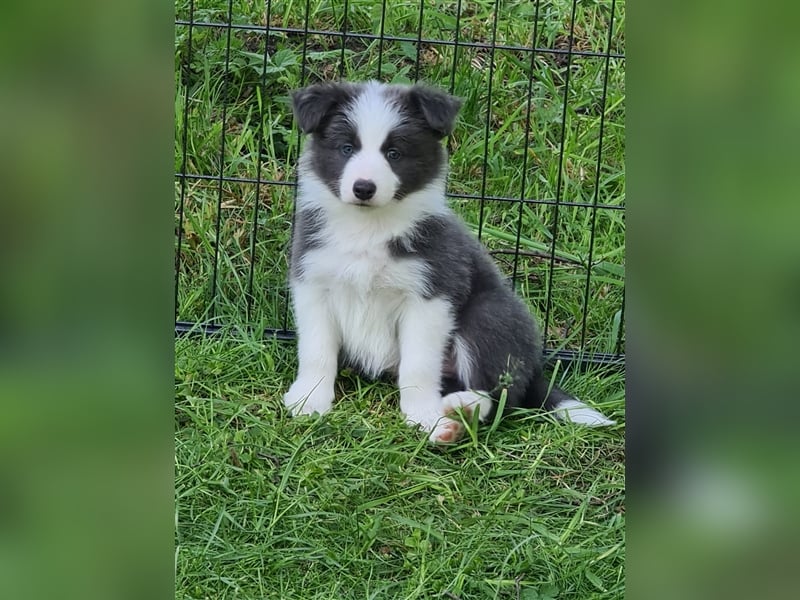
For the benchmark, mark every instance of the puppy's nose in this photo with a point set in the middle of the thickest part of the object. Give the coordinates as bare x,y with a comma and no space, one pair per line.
364,189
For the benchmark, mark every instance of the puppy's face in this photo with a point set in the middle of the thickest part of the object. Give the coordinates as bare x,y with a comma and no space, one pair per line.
373,144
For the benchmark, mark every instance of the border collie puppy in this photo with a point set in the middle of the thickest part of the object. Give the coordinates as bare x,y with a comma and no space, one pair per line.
387,280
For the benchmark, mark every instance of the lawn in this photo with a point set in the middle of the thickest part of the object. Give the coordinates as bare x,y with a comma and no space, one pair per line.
355,504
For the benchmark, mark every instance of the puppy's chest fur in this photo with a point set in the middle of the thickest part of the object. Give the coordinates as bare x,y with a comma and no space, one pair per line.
366,291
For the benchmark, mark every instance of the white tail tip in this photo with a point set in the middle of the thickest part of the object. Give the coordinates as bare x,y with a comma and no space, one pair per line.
576,411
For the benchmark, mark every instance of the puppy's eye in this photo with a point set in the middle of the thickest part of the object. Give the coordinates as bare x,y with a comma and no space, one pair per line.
393,154
346,149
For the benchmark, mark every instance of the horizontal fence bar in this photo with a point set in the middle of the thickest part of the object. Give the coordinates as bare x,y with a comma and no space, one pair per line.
188,328
233,179
544,201
389,38
582,359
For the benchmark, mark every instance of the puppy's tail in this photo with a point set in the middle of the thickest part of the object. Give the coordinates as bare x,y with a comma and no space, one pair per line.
566,407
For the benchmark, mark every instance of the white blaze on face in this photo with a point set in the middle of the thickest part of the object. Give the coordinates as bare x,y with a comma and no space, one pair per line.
373,117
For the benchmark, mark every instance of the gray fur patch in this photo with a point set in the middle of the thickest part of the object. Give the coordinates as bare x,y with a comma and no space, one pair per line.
333,131
437,109
308,225
422,156
492,321
314,104
428,115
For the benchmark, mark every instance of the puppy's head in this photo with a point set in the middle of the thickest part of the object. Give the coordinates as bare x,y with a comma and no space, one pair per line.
374,144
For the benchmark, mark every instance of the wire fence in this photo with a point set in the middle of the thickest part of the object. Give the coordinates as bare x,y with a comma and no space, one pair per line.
537,156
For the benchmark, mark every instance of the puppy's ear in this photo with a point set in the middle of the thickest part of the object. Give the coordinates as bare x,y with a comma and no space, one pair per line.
438,108
312,104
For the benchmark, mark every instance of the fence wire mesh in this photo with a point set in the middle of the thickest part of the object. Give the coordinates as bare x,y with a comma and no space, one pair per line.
537,158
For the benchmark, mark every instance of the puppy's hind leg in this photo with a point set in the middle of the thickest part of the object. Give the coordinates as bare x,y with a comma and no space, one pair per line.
468,402
451,428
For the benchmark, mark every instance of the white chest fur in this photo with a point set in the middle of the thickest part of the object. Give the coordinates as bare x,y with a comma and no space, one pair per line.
366,292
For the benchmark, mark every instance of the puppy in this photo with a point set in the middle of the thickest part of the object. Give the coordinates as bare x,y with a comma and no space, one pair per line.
387,280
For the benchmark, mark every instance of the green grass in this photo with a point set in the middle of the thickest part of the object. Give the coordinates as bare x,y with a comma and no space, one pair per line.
355,504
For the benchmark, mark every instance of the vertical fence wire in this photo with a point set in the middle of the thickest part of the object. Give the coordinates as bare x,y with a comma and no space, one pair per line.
184,149
521,203
593,227
261,136
218,226
487,129
560,179
455,48
621,332
381,39
419,38
344,39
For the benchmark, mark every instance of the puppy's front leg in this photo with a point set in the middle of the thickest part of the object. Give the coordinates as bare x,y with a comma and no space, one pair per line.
424,331
317,352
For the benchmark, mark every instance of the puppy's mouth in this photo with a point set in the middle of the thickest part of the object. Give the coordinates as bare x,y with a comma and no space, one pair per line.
363,203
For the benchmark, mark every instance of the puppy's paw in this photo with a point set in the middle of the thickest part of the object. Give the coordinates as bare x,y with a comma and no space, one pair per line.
468,401
421,407
446,431
428,416
425,417
307,397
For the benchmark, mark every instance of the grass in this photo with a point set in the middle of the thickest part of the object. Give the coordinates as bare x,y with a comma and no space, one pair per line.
356,505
